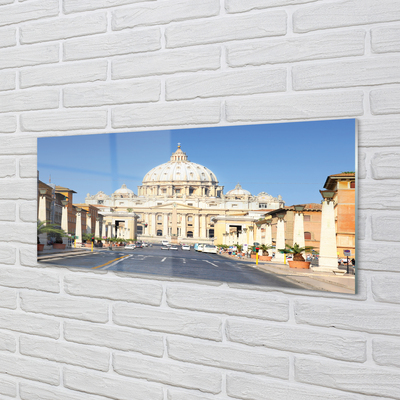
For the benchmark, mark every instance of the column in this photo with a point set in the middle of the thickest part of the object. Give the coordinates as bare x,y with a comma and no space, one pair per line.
258,234
78,226
64,216
88,223
224,239
183,225
42,205
153,225
298,229
109,230
328,260
280,240
251,235
268,234
244,238
165,225
203,226
196,226
97,228
113,231
103,228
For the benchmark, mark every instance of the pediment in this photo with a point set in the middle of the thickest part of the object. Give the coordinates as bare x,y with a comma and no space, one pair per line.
171,206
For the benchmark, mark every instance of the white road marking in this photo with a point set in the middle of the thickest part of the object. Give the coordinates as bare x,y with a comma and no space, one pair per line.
184,260
115,263
163,259
211,263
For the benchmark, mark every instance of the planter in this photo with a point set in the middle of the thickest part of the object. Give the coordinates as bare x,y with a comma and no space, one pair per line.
59,246
265,258
253,256
299,264
40,247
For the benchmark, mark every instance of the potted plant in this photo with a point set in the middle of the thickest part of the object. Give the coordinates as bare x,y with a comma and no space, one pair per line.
49,228
298,259
265,255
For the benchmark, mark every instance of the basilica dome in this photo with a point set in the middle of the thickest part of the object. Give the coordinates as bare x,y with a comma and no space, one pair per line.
179,168
123,190
238,191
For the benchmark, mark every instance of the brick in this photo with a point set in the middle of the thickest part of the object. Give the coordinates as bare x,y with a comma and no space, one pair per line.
63,28
18,232
84,309
166,62
226,84
71,6
346,376
28,256
7,211
235,6
16,57
8,387
385,39
28,167
362,222
8,298
229,357
340,346
8,37
385,101
30,324
385,288
8,124
385,227
250,387
61,74
115,93
168,372
310,47
384,165
7,80
378,256
17,145
163,12
18,189
26,278
7,342
8,167
216,30
370,319
126,42
287,106
166,114
362,169
369,71
111,385
115,338
64,120
3,2
144,292
379,132
28,368
28,391
7,256
176,394
153,319
37,99
28,211
14,14
244,303
64,353
386,352
344,13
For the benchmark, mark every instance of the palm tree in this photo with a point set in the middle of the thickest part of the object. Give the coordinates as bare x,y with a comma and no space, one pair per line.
296,250
49,228
265,249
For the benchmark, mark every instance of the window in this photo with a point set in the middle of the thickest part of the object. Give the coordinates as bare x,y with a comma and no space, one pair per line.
352,185
211,233
100,201
159,232
190,234
159,204
307,235
164,190
234,205
190,219
177,190
159,217
190,204
263,205
139,229
307,218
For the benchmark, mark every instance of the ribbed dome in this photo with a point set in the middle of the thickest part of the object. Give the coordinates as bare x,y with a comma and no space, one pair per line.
179,168
123,190
238,191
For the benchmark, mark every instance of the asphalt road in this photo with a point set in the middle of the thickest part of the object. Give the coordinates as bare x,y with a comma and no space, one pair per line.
172,263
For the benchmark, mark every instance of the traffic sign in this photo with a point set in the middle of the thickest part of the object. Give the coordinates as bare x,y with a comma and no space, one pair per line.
347,252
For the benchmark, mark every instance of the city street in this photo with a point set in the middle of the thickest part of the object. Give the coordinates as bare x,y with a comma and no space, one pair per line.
172,263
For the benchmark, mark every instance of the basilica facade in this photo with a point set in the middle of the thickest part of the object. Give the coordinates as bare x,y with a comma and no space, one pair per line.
178,201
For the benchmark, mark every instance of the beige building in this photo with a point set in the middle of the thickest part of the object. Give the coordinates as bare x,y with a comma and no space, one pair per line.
177,201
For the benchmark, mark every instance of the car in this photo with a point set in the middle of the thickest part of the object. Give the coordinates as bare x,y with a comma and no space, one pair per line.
200,247
130,247
165,247
185,247
173,247
139,245
210,248
164,242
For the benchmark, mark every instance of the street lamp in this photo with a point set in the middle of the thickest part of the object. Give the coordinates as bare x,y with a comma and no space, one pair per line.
42,191
280,215
299,208
327,195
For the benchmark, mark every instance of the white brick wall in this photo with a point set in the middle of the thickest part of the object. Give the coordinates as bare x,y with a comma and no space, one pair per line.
97,66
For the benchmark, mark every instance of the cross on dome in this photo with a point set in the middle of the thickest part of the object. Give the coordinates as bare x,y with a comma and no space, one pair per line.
179,155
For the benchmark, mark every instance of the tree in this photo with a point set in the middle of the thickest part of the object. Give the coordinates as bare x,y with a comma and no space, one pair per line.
265,249
50,229
296,250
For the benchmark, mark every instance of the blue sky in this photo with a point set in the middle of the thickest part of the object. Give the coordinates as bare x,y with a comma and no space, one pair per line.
290,159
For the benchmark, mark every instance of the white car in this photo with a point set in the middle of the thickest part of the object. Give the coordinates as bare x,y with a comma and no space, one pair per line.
164,242
130,247
200,247
173,247
165,247
185,247
209,248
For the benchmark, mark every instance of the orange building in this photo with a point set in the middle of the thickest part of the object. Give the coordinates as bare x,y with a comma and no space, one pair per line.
344,185
68,194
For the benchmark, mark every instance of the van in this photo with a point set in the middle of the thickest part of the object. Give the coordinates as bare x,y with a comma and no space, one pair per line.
164,242
196,246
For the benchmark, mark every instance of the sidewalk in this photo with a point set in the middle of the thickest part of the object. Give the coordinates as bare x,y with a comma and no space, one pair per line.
310,279
47,254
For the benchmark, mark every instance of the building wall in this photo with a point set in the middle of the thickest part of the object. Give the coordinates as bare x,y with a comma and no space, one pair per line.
74,67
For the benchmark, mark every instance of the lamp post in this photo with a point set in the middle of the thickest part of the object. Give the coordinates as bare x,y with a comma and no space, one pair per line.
268,233
78,227
42,206
298,228
328,260
280,237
